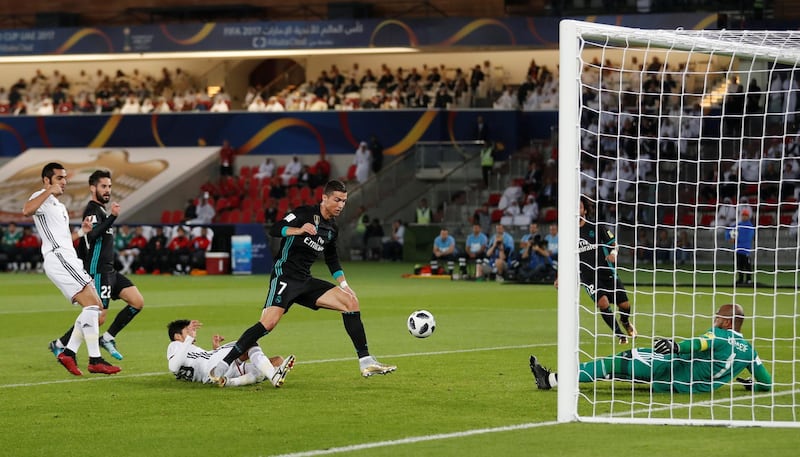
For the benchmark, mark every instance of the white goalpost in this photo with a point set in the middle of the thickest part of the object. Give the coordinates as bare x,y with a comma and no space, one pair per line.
673,136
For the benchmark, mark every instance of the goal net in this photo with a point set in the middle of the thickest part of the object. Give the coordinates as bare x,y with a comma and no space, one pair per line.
674,138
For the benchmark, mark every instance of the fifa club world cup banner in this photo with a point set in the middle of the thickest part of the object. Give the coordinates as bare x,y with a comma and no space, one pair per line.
289,133
533,32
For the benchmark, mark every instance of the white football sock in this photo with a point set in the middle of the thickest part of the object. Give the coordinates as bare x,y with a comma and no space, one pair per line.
88,323
261,362
76,337
243,380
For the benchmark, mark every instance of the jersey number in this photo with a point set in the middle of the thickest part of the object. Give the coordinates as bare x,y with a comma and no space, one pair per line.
105,292
185,374
281,287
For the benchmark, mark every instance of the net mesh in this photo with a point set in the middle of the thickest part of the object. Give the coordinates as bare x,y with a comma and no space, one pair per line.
681,134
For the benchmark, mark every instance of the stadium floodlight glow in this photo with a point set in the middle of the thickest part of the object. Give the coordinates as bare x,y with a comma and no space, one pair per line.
250,54
657,128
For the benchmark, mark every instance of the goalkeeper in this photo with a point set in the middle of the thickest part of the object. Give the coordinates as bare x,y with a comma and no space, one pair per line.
700,364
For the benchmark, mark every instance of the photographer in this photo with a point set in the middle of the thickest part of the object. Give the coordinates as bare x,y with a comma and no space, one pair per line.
535,264
500,246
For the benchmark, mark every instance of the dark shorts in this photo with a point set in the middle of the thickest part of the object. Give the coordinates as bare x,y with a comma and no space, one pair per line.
110,285
285,291
607,287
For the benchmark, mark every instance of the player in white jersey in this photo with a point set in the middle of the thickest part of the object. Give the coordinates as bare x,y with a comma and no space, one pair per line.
189,362
65,269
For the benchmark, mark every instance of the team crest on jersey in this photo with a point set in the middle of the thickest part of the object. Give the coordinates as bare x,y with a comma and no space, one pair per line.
610,234
316,220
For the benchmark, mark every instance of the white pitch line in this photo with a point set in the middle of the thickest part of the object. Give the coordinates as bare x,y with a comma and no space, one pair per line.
416,439
309,362
481,431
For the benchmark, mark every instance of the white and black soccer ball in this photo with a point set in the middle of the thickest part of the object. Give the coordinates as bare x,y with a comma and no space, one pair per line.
421,323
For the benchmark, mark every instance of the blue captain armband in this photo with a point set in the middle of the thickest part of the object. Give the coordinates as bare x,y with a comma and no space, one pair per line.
283,230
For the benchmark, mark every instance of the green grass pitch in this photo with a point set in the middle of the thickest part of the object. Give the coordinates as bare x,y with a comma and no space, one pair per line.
465,391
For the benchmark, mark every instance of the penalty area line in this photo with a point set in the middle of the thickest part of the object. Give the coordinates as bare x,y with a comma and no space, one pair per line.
416,439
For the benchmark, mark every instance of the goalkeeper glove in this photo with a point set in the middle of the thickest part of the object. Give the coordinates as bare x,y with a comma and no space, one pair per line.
746,382
665,346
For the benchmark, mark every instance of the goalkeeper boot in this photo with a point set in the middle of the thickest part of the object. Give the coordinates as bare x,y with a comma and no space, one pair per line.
281,371
110,345
103,367
55,348
370,367
540,374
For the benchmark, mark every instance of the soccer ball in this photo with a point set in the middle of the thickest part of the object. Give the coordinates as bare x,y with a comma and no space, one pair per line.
421,323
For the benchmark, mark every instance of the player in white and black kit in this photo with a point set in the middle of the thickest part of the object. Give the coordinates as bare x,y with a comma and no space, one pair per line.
96,248
65,269
305,233
189,362
598,275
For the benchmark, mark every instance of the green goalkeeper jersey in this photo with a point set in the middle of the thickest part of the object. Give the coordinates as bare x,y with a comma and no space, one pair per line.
709,361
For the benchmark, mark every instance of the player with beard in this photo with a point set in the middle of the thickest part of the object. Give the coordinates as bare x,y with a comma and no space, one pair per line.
306,232
96,248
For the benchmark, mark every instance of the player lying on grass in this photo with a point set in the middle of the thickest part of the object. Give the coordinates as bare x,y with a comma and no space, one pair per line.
699,364
193,363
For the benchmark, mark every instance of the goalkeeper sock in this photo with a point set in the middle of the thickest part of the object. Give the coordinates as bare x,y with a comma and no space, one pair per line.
590,371
616,367
355,329
248,339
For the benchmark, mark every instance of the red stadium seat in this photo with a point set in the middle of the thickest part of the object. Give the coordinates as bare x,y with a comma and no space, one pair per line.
497,215
165,216
283,205
707,220
766,220
247,215
550,215
305,195
176,217
234,216
494,199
